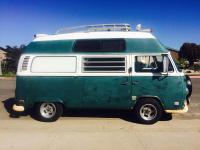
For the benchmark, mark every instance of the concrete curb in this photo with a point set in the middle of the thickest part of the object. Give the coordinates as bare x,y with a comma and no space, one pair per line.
193,74
195,77
7,78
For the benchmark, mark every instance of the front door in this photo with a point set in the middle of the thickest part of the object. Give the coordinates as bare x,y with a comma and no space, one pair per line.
148,80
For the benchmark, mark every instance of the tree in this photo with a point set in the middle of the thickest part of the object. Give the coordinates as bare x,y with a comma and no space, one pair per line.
191,52
12,58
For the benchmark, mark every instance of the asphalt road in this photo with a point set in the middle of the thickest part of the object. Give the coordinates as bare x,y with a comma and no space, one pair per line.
98,130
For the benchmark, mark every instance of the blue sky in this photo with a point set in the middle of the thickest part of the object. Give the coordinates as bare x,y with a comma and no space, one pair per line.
173,21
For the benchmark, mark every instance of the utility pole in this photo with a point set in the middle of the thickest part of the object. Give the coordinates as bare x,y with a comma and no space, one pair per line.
0,68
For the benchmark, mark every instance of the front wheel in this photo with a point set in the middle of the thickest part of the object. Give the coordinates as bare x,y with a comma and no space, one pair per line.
48,112
189,86
148,111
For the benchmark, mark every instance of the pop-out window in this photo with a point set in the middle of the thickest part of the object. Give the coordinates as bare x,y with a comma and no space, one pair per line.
100,45
54,64
150,64
102,64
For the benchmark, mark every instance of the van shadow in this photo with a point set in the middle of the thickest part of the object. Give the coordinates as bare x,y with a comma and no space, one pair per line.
126,115
8,104
89,113
101,113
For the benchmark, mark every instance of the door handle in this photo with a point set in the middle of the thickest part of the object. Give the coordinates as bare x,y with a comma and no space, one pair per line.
125,82
130,70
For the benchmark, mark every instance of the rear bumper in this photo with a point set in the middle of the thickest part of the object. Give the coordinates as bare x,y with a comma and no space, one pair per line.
180,111
19,106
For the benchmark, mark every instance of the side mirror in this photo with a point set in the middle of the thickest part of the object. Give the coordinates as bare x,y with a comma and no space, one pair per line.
165,64
130,70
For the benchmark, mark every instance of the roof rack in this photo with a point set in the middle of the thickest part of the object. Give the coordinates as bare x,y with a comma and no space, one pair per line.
96,28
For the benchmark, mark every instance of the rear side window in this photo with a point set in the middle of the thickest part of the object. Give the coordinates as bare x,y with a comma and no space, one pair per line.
100,45
102,64
54,64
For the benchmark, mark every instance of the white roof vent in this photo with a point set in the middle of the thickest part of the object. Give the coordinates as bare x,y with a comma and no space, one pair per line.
40,35
139,29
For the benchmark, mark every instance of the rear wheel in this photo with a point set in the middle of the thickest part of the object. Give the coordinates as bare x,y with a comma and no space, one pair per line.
48,112
148,111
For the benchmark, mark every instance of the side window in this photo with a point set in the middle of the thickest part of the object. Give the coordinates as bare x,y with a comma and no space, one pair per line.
100,45
53,64
104,64
150,64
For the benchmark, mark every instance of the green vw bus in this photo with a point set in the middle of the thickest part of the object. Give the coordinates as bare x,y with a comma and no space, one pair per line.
104,66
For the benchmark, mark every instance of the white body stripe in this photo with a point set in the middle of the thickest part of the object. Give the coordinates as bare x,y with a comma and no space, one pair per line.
94,35
130,59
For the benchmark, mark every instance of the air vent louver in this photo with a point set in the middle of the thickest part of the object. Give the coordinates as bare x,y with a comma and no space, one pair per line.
25,63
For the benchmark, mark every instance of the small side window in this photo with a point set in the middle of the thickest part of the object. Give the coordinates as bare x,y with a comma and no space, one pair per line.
150,64
104,64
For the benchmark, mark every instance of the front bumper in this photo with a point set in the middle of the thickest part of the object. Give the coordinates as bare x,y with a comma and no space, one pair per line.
180,111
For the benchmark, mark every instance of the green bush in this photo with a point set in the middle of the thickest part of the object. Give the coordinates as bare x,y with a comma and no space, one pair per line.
8,74
195,67
182,63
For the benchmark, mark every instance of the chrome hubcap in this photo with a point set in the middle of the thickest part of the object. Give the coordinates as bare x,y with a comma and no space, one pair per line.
47,110
148,112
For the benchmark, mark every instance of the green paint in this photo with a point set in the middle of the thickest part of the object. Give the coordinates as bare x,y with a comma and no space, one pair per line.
66,46
57,46
167,88
144,45
76,92
100,92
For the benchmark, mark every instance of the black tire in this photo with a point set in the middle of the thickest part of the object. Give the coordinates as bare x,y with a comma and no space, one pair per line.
189,86
53,112
144,106
166,116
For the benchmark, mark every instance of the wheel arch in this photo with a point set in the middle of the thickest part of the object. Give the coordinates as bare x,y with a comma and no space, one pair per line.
50,101
156,98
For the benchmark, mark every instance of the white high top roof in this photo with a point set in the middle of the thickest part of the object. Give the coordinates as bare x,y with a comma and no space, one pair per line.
94,35
102,31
